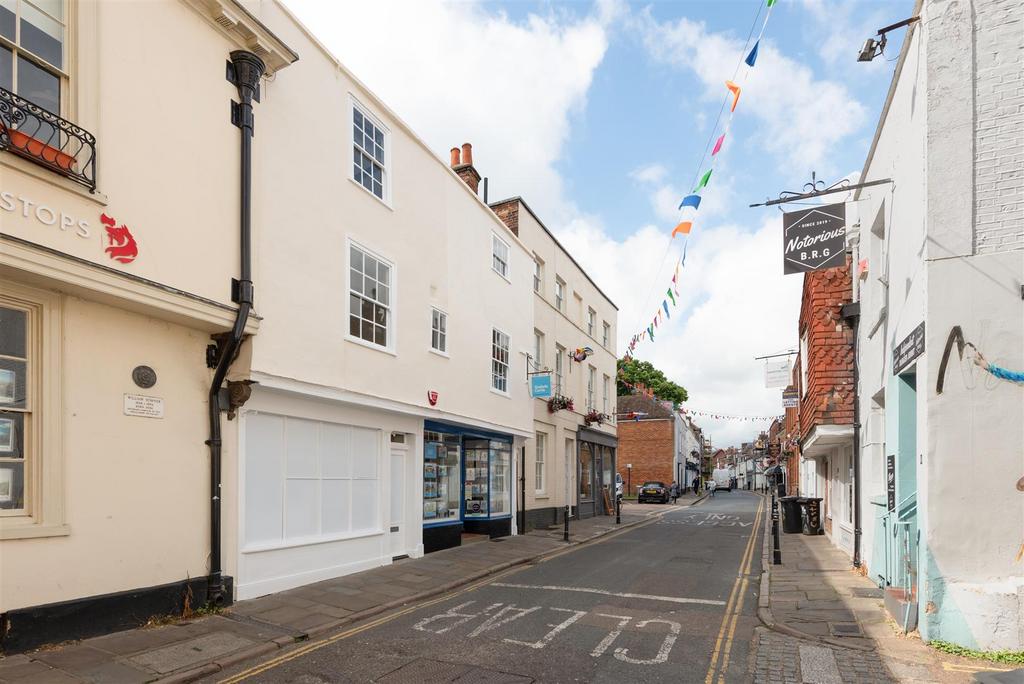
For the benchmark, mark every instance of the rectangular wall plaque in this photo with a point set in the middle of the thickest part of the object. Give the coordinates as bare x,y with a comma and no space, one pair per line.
143,406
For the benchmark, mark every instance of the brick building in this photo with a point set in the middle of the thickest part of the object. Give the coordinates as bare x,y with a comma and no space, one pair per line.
826,363
646,441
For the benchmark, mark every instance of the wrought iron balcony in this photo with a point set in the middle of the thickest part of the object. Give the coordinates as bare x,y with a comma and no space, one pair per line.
44,138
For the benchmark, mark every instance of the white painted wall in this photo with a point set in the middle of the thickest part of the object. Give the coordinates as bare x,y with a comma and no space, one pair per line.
948,262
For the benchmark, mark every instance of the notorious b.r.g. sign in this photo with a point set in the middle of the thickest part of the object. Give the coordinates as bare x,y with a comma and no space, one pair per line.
814,238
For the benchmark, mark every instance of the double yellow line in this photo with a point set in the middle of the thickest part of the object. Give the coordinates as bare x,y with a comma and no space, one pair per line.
734,607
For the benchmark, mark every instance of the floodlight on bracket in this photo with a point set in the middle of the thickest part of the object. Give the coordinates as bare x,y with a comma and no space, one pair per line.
873,48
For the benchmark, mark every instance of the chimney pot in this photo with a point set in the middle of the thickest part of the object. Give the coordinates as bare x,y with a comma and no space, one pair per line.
456,157
467,154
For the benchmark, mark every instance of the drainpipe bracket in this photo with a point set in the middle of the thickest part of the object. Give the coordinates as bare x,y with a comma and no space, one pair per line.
242,291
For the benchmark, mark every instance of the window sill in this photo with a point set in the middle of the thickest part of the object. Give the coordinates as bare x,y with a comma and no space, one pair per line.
375,347
442,354
386,203
500,393
22,530
52,177
541,496
502,275
309,541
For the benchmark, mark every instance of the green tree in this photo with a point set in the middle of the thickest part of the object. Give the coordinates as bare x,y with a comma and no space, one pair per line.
635,371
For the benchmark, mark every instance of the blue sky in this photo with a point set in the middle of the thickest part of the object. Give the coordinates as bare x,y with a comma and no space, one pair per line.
597,113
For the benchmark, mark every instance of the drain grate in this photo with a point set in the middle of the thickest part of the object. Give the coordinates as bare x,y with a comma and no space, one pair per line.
845,628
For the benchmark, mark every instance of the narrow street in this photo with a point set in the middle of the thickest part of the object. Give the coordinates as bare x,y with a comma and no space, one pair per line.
672,600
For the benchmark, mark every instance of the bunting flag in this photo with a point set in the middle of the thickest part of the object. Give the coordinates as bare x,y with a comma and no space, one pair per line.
718,145
735,90
703,180
683,228
690,201
690,204
752,57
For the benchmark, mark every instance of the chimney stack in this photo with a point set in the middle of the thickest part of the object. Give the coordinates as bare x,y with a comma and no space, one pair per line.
463,165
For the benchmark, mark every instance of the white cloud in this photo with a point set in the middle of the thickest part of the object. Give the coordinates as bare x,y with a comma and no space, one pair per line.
802,117
508,87
739,305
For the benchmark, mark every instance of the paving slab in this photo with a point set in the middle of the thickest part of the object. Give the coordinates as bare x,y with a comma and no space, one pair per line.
191,652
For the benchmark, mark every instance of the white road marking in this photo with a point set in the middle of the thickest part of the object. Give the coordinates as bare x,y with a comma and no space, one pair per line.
602,592
547,638
497,620
666,645
612,635
451,613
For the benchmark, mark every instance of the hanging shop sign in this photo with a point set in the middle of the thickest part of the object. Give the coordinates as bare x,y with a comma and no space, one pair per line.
776,373
907,351
790,397
814,239
540,385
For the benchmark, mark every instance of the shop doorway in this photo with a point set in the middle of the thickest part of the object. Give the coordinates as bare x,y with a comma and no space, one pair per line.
399,493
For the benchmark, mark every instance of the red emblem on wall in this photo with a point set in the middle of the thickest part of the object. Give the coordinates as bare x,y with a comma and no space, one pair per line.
432,397
123,247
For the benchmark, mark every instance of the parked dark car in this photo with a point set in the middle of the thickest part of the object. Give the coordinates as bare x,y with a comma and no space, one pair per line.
653,491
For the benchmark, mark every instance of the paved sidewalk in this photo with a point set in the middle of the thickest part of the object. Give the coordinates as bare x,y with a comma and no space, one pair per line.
189,649
826,624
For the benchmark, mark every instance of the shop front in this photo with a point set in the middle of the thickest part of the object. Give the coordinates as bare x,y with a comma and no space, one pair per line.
594,473
467,484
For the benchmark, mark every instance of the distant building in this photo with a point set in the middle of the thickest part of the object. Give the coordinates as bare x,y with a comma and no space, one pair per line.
655,443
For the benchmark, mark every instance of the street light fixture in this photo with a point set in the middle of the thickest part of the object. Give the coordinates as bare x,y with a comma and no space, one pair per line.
873,48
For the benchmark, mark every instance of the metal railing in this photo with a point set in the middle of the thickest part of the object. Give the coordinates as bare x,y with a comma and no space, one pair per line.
900,529
42,137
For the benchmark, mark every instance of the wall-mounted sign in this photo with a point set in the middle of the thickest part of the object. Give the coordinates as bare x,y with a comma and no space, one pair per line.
432,397
117,241
890,481
540,385
122,246
912,346
143,406
813,239
776,373
790,397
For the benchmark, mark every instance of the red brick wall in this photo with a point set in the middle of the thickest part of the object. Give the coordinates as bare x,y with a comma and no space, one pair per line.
829,395
647,444
508,212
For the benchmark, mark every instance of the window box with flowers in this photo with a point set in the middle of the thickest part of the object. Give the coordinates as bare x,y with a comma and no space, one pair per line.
560,403
595,417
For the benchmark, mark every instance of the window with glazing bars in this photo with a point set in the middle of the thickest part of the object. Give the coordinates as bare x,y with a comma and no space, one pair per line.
439,330
368,154
499,360
32,52
369,313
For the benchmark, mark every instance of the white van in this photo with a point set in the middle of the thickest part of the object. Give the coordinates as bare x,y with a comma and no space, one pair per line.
722,478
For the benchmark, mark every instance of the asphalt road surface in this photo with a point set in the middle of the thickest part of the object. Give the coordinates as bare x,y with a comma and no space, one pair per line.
668,601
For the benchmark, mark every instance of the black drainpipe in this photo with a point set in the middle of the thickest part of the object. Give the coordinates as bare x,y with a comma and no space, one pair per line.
851,312
245,71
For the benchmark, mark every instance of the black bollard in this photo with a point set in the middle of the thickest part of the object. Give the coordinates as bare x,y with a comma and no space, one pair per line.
618,510
565,529
777,555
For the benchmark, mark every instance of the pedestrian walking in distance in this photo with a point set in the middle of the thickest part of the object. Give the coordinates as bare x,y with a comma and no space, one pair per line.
711,487
696,486
674,491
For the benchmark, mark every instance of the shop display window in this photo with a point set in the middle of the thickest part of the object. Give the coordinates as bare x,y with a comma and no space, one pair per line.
441,477
501,456
586,472
477,480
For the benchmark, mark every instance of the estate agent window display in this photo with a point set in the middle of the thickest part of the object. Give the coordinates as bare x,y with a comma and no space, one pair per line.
465,477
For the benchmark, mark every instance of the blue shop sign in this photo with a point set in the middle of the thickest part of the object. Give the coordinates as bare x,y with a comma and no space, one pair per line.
540,386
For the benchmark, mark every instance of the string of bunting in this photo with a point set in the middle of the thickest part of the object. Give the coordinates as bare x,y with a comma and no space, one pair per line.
690,204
